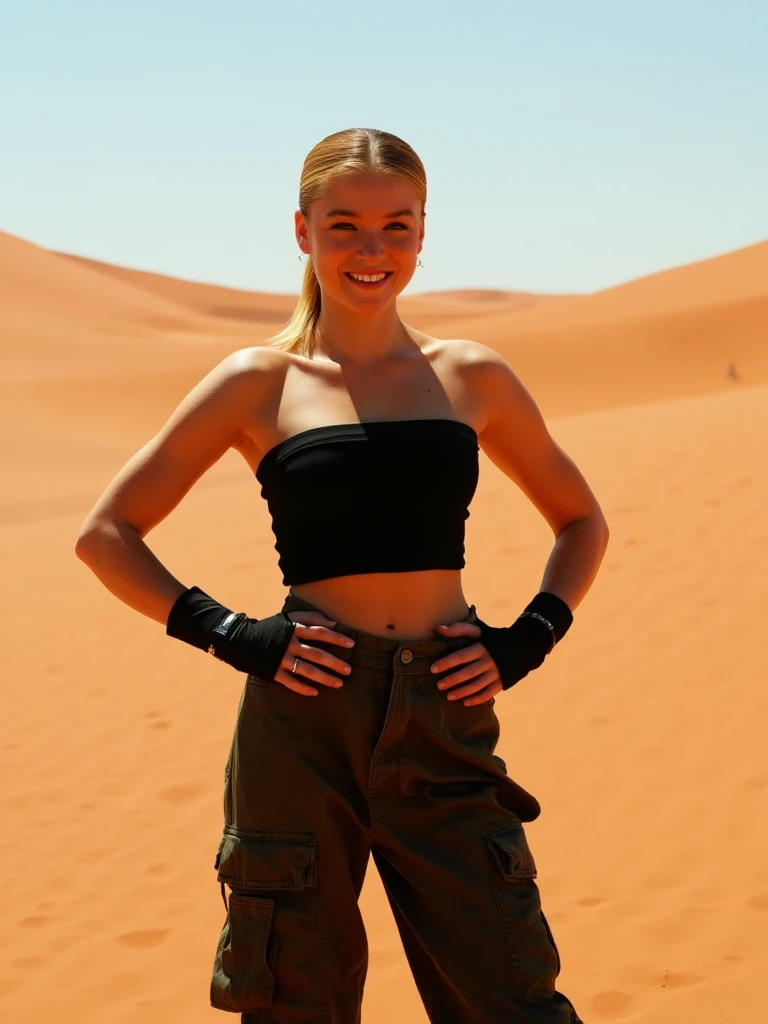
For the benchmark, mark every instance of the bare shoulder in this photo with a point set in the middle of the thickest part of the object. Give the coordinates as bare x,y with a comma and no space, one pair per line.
460,351
243,381
253,366
484,370
474,354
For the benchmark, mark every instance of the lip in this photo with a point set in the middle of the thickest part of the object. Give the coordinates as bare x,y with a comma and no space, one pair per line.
369,285
369,273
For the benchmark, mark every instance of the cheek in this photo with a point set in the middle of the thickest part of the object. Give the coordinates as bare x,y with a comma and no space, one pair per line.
333,246
403,244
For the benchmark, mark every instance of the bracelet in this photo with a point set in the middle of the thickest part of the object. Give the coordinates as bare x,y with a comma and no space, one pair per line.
223,631
547,623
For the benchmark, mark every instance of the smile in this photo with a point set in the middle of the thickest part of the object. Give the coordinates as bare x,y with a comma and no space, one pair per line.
369,280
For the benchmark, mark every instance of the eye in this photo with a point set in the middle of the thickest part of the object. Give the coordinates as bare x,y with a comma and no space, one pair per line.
343,224
398,224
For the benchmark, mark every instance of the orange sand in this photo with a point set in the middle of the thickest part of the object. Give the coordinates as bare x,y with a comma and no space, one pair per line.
641,735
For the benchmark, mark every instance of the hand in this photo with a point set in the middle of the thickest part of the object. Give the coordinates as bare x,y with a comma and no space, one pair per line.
312,626
476,668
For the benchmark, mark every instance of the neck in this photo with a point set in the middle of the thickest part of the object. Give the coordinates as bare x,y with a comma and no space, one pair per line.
355,339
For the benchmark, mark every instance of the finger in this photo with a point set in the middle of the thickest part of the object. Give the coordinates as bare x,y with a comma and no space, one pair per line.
329,636
475,652
290,682
468,672
483,696
311,618
474,686
460,629
454,682
311,669
317,656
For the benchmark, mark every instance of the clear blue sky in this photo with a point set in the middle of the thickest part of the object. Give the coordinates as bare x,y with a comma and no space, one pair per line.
569,146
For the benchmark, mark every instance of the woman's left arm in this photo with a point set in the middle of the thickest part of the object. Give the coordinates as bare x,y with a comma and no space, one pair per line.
516,439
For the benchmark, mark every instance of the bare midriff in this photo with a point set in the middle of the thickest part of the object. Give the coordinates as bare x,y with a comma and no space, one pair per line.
399,605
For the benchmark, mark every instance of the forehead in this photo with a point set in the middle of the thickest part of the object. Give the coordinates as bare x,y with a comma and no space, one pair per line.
368,192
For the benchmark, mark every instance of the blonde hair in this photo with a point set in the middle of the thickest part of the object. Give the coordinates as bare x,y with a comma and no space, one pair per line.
345,152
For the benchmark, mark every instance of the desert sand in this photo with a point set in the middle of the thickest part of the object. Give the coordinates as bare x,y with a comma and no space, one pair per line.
642,735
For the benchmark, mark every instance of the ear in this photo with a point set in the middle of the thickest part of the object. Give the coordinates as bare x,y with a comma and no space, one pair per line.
300,226
421,232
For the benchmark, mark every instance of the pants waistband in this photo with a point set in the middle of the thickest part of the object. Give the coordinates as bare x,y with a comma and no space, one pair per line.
412,657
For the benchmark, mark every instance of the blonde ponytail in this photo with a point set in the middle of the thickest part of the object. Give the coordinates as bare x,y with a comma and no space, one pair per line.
299,333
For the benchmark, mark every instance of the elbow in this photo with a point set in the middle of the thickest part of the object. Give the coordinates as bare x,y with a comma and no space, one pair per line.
90,540
605,531
84,545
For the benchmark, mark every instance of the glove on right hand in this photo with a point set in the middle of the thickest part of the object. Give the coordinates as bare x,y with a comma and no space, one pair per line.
255,646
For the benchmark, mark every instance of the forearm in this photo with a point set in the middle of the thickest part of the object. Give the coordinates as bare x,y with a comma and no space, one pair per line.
575,559
126,566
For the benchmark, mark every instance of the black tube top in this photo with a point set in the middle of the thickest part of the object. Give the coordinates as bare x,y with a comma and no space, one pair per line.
382,496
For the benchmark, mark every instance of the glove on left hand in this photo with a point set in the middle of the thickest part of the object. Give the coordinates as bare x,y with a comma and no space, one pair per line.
523,646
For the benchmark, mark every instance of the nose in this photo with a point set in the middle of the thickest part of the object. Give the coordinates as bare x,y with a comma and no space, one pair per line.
370,246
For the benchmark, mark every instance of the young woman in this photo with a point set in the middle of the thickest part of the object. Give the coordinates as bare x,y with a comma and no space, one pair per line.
364,435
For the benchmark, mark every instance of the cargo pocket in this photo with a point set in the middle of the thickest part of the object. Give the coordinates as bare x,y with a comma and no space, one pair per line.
510,849
271,932
534,961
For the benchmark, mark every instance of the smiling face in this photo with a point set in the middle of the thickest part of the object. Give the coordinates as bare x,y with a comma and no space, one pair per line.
366,224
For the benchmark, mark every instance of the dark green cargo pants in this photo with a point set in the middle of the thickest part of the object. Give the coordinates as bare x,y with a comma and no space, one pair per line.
387,766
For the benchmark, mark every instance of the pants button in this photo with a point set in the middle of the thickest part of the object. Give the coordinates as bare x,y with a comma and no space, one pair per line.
406,656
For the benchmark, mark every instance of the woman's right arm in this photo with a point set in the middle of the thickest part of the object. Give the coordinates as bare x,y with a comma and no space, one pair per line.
208,421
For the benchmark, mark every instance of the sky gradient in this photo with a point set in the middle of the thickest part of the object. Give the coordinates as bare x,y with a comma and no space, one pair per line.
569,147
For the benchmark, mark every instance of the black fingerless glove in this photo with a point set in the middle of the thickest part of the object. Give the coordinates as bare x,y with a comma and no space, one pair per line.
256,646
523,646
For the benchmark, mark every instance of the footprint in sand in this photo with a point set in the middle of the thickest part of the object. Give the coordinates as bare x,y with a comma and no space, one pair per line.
182,794
147,939
759,901
17,803
678,979
611,1005
27,962
161,868
590,901
34,921
601,720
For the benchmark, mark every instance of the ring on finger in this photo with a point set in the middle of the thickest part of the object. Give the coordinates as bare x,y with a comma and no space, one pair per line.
293,670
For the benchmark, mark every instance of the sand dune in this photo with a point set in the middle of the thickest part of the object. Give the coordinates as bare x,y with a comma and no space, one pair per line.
275,309
641,736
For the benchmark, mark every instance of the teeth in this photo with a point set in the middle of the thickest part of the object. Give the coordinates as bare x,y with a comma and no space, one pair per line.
368,277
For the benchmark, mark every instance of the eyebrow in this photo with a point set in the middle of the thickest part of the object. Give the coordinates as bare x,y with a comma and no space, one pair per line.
351,213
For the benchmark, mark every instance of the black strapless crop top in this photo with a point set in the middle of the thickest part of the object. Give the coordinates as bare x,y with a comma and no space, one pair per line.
382,496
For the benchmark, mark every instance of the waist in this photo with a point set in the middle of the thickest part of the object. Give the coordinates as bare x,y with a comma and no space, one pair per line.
396,606
377,652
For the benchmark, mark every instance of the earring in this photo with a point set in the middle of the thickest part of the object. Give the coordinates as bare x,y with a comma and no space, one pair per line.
418,262
301,257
